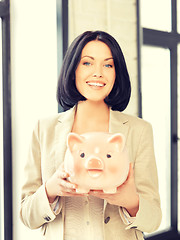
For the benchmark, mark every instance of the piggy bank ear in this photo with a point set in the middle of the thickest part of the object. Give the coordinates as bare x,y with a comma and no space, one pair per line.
73,139
118,139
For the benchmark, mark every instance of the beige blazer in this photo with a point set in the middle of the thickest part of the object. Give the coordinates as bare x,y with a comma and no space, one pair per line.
46,153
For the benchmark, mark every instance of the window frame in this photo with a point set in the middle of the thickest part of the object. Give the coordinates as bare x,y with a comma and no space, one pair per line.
170,40
7,142
62,34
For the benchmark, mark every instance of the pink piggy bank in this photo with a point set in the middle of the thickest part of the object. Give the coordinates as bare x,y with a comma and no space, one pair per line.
96,161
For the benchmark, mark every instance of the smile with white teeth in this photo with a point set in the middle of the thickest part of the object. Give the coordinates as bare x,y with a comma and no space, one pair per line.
96,84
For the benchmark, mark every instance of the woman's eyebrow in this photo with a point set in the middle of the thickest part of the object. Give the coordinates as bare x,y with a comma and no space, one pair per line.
106,59
88,57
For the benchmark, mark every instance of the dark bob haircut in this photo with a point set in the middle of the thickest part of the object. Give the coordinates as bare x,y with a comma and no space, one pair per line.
67,93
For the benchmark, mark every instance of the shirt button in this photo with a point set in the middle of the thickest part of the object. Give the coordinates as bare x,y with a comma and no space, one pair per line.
106,220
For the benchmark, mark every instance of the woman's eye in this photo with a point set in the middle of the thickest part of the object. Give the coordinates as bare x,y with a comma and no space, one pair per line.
108,155
108,65
87,63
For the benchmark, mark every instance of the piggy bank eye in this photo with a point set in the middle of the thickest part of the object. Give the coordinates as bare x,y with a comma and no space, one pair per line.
108,155
82,155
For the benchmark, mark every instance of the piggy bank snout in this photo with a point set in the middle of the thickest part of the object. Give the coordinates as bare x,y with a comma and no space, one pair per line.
94,163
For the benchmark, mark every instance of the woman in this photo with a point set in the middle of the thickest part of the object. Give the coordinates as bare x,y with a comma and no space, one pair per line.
93,88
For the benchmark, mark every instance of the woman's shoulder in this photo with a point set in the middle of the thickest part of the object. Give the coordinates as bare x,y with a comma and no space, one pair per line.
49,120
131,120
137,126
52,120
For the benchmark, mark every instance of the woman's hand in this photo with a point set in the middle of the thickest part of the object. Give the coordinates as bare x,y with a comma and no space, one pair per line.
126,195
58,185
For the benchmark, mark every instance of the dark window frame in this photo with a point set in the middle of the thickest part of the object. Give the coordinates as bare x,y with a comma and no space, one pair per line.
62,34
168,40
7,142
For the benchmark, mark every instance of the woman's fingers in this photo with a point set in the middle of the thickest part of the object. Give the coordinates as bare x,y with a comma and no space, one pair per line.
62,174
67,185
131,171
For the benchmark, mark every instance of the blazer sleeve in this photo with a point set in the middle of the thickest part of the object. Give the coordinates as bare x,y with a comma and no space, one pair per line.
35,208
148,217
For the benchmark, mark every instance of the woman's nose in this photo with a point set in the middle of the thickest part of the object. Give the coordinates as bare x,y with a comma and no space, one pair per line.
97,75
98,72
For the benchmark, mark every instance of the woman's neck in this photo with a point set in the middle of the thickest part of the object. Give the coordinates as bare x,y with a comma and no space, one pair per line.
91,116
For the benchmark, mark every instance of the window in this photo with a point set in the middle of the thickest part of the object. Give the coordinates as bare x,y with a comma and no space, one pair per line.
156,109
161,12
158,100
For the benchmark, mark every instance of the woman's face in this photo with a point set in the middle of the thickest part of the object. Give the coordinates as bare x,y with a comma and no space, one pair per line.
95,74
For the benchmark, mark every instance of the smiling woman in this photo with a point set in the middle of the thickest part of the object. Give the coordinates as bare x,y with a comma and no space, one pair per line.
94,88
111,61
95,74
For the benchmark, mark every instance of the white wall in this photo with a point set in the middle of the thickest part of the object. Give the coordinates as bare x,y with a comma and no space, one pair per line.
117,17
34,78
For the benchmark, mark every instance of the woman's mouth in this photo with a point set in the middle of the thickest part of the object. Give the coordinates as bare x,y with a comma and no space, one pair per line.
96,84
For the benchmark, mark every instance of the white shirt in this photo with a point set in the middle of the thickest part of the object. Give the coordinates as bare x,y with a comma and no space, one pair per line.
83,217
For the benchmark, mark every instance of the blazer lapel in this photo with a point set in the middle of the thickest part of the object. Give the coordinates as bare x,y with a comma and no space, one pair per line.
63,127
117,124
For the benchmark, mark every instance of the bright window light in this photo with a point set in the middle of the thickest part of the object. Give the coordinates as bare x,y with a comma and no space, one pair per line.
156,14
156,110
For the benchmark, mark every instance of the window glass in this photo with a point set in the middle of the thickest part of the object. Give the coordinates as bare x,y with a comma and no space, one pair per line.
156,110
156,14
1,143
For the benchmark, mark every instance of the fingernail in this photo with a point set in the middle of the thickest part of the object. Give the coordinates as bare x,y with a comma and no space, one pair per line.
64,175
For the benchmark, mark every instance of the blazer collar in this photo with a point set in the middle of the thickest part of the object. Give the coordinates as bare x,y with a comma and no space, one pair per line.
63,127
117,119
68,116
118,123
